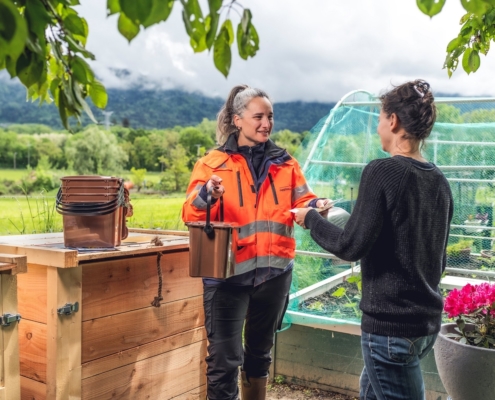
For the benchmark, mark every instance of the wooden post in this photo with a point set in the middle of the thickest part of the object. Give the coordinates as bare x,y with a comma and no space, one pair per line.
10,382
63,334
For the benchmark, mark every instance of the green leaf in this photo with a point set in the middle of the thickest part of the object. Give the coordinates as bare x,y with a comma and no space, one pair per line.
222,55
214,5
62,109
160,11
76,25
465,60
113,7
470,60
78,95
30,68
339,292
211,24
227,24
246,20
453,44
127,28
75,46
247,44
98,94
430,7
195,24
81,70
490,17
136,11
37,17
83,38
477,7
465,17
13,30
474,60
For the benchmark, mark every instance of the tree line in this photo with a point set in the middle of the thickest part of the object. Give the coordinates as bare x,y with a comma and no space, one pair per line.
94,150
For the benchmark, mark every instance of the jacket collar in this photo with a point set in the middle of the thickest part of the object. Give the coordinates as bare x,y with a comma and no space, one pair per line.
271,149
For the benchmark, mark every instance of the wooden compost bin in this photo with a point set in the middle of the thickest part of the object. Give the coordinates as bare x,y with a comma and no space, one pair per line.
325,353
10,266
116,345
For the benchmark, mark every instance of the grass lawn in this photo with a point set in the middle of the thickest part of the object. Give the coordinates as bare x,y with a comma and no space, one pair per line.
36,214
13,174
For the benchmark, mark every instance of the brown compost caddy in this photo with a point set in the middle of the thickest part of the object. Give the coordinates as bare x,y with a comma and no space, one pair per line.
212,245
125,321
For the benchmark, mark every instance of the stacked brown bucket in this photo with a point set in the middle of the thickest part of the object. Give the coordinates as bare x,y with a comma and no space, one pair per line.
94,210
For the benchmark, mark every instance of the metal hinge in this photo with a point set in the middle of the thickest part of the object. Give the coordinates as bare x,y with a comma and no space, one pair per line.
7,319
68,309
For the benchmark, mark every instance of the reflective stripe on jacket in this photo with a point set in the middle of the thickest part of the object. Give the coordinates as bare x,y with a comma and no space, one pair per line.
261,207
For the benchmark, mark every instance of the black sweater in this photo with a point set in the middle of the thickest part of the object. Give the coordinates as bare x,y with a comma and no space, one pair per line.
398,229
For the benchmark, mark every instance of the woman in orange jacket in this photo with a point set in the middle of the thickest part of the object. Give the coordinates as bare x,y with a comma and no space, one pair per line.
260,183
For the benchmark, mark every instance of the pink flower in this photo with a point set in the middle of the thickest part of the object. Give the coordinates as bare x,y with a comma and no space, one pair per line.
474,305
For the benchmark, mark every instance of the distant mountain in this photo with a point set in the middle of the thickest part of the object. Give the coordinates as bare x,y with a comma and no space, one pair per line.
152,109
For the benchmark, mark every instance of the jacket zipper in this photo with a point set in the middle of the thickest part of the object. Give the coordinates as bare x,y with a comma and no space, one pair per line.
241,200
273,188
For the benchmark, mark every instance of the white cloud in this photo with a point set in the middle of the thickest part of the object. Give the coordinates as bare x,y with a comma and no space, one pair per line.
312,50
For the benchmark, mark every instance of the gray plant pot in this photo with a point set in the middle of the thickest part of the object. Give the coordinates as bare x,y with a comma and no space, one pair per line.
467,372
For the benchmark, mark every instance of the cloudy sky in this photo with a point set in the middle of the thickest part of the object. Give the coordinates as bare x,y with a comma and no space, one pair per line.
311,50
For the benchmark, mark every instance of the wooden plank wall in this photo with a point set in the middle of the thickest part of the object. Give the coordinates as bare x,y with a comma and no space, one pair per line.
333,361
132,350
10,384
32,294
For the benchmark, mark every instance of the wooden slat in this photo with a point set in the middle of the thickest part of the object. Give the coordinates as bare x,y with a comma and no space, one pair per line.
104,336
32,291
3,393
19,262
140,353
159,232
63,334
9,343
32,349
169,244
162,377
198,393
116,286
61,258
32,390
8,268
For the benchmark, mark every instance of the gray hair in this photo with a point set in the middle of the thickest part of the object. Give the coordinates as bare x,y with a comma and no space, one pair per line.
237,101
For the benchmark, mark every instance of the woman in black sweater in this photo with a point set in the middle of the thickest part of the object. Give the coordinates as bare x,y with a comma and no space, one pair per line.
399,230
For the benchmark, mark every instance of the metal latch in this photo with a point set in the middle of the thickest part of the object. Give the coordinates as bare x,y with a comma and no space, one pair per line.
68,309
7,319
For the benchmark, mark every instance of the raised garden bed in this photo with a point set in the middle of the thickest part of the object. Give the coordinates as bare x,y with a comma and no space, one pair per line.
332,304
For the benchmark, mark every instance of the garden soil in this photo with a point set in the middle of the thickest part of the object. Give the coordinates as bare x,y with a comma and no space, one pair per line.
294,392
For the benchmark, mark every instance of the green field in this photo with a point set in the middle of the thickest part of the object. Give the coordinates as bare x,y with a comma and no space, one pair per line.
36,214
13,174
18,174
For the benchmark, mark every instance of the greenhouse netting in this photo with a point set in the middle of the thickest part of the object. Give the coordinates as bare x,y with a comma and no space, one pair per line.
333,155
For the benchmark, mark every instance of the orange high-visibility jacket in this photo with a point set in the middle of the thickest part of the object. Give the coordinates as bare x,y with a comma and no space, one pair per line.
266,234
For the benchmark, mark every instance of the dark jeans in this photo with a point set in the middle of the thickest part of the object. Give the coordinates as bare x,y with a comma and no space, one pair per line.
229,309
391,367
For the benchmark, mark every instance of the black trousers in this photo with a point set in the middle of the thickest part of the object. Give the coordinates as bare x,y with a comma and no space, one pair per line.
229,309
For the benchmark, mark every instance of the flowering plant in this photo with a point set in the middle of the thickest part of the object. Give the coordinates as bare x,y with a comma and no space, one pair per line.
475,305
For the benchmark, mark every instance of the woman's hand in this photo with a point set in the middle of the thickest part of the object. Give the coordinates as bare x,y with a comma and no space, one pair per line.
322,203
215,182
300,215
